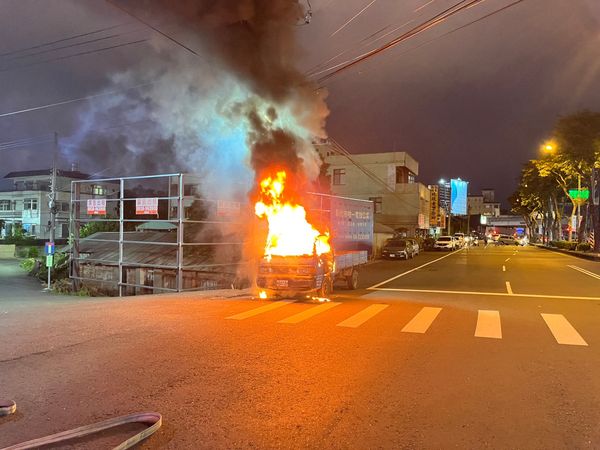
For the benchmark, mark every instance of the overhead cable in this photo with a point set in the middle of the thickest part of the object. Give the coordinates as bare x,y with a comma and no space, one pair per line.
60,58
354,17
152,27
74,100
77,44
439,18
432,22
45,44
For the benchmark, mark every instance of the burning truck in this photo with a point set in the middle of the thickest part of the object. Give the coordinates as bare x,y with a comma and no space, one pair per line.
303,257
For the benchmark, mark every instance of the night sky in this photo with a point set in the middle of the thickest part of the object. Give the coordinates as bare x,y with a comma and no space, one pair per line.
472,104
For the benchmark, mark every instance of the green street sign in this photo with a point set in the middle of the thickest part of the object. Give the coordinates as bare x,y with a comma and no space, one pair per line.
581,195
49,260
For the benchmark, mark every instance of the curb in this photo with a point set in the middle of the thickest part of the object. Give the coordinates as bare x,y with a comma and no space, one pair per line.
588,256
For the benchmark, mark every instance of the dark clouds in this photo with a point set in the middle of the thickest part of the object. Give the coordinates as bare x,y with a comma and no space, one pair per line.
472,104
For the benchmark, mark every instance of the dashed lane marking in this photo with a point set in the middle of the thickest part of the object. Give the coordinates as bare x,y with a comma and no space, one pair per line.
584,271
413,270
503,268
422,321
509,288
507,260
562,330
488,324
260,310
362,316
311,312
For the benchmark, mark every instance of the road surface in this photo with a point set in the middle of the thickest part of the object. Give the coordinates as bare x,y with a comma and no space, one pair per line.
490,347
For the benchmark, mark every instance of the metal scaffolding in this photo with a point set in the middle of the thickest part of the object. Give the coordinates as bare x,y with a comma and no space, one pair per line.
156,227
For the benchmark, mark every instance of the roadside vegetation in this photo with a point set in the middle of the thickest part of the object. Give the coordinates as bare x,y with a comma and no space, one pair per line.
546,185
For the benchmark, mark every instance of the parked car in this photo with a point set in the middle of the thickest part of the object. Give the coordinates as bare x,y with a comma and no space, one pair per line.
397,248
505,239
416,246
445,243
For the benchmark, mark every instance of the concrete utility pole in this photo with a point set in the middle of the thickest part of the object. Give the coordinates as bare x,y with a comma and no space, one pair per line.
52,205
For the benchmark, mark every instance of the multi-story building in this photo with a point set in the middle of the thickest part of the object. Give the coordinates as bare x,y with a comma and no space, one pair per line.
27,203
483,204
475,204
387,179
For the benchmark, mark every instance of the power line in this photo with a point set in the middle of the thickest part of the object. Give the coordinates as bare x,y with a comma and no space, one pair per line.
463,26
499,10
368,40
45,44
61,58
77,44
151,27
354,17
26,144
439,18
74,100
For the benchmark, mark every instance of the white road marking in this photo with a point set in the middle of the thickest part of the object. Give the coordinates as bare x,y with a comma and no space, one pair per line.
496,294
586,272
563,331
311,312
362,316
260,310
422,321
412,270
488,324
503,268
507,259
508,288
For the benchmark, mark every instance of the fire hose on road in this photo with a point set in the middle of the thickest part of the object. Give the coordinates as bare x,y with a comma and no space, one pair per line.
153,420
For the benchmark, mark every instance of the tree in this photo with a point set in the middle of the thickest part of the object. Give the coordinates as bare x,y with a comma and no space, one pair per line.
536,198
578,147
96,227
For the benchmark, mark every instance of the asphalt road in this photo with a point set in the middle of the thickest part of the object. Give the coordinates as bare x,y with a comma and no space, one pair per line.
435,352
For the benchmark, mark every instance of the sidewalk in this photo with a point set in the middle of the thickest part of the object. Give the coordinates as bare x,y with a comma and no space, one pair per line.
591,256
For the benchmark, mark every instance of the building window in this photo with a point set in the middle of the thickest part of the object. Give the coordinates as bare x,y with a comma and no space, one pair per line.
64,206
377,204
65,230
5,205
411,177
98,190
30,204
338,176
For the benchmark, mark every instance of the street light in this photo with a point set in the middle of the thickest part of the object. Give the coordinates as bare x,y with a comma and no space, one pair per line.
549,146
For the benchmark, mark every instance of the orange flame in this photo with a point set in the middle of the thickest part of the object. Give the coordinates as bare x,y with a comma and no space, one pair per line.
290,234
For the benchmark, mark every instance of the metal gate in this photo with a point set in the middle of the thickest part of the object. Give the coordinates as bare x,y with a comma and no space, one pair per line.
135,235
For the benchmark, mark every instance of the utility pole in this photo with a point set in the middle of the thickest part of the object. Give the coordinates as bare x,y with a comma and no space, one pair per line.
52,205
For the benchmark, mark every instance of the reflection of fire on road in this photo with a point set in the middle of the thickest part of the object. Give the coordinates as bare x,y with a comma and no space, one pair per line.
290,234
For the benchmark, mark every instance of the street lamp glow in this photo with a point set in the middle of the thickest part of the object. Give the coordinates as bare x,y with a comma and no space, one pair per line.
549,146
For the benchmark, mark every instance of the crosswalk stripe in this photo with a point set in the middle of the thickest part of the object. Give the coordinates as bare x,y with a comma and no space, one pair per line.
362,316
260,310
309,312
488,324
422,321
563,331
